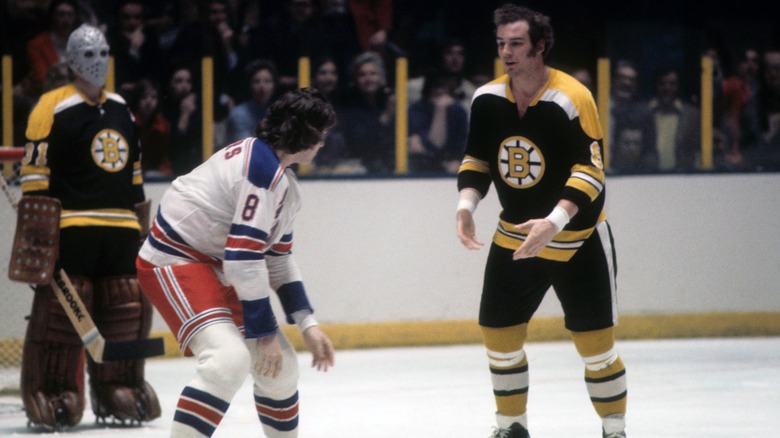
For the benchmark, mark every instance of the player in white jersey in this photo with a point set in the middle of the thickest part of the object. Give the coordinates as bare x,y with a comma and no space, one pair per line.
220,243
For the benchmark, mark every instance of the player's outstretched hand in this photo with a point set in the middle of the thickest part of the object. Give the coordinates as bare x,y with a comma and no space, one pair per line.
321,348
467,232
540,233
269,356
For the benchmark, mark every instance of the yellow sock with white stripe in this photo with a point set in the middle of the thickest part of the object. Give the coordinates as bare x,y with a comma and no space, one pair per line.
508,370
605,374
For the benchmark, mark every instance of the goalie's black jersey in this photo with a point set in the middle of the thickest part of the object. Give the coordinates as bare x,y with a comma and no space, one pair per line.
86,155
553,152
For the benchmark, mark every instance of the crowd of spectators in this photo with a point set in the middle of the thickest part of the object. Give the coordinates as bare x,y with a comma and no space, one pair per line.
662,133
157,47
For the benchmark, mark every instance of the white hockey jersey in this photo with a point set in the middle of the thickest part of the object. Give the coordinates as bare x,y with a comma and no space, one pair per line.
235,212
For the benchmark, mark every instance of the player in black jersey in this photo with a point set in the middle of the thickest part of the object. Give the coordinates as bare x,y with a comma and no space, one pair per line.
82,149
535,135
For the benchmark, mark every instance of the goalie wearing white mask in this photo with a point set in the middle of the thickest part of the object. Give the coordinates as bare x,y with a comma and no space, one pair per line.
83,150
87,55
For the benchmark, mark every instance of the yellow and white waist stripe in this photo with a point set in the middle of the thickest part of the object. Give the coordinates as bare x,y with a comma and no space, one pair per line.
561,248
106,217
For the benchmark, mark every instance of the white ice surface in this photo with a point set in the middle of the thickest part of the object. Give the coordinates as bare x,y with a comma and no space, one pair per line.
708,388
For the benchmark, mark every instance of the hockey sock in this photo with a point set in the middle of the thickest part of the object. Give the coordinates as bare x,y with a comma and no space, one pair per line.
508,368
278,416
197,410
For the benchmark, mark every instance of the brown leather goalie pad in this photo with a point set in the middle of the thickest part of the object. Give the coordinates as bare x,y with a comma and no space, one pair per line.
117,388
52,383
37,240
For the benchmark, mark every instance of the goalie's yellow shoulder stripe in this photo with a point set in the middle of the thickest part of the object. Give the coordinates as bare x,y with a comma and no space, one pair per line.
42,116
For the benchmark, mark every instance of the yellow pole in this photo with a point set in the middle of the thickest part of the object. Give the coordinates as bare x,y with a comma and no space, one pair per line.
498,68
603,80
207,70
8,110
304,80
110,77
8,102
304,72
706,113
401,116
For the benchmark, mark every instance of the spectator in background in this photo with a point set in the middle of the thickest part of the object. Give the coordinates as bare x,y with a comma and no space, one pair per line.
677,125
22,22
58,75
437,128
451,68
340,35
164,19
48,47
629,153
583,75
212,35
373,22
134,47
326,79
295,31
739,123
368,115
624,99
181,106
262,79
769,111
154,130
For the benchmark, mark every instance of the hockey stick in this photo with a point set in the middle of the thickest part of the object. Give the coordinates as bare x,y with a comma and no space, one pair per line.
99,349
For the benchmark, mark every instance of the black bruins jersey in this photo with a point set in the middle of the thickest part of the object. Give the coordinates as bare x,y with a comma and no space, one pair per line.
553,152
86,155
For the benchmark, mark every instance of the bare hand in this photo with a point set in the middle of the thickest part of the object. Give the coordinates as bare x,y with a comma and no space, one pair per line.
443,101
540,233
321,348
378,40
188,105
269,356
467,230
416,145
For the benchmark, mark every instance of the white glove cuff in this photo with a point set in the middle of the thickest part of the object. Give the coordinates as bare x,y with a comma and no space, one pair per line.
559,218
469,199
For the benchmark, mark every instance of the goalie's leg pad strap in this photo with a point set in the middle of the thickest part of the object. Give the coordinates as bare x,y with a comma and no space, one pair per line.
52,383
122,313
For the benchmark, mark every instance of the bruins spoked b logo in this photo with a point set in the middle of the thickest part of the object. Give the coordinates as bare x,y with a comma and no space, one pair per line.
520,162
110,150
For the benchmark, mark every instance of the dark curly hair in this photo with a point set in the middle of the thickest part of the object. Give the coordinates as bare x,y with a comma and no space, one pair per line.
539,27
297,121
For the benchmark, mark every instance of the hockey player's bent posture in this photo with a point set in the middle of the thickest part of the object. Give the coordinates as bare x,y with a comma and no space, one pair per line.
220,243
82,149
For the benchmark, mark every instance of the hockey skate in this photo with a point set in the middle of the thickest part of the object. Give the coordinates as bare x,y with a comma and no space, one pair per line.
514,431
52,413
121,405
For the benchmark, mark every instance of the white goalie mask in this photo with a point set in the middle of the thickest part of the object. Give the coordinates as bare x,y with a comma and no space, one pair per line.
87,54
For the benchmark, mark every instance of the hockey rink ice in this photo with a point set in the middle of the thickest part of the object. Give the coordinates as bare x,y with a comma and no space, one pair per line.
681,388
